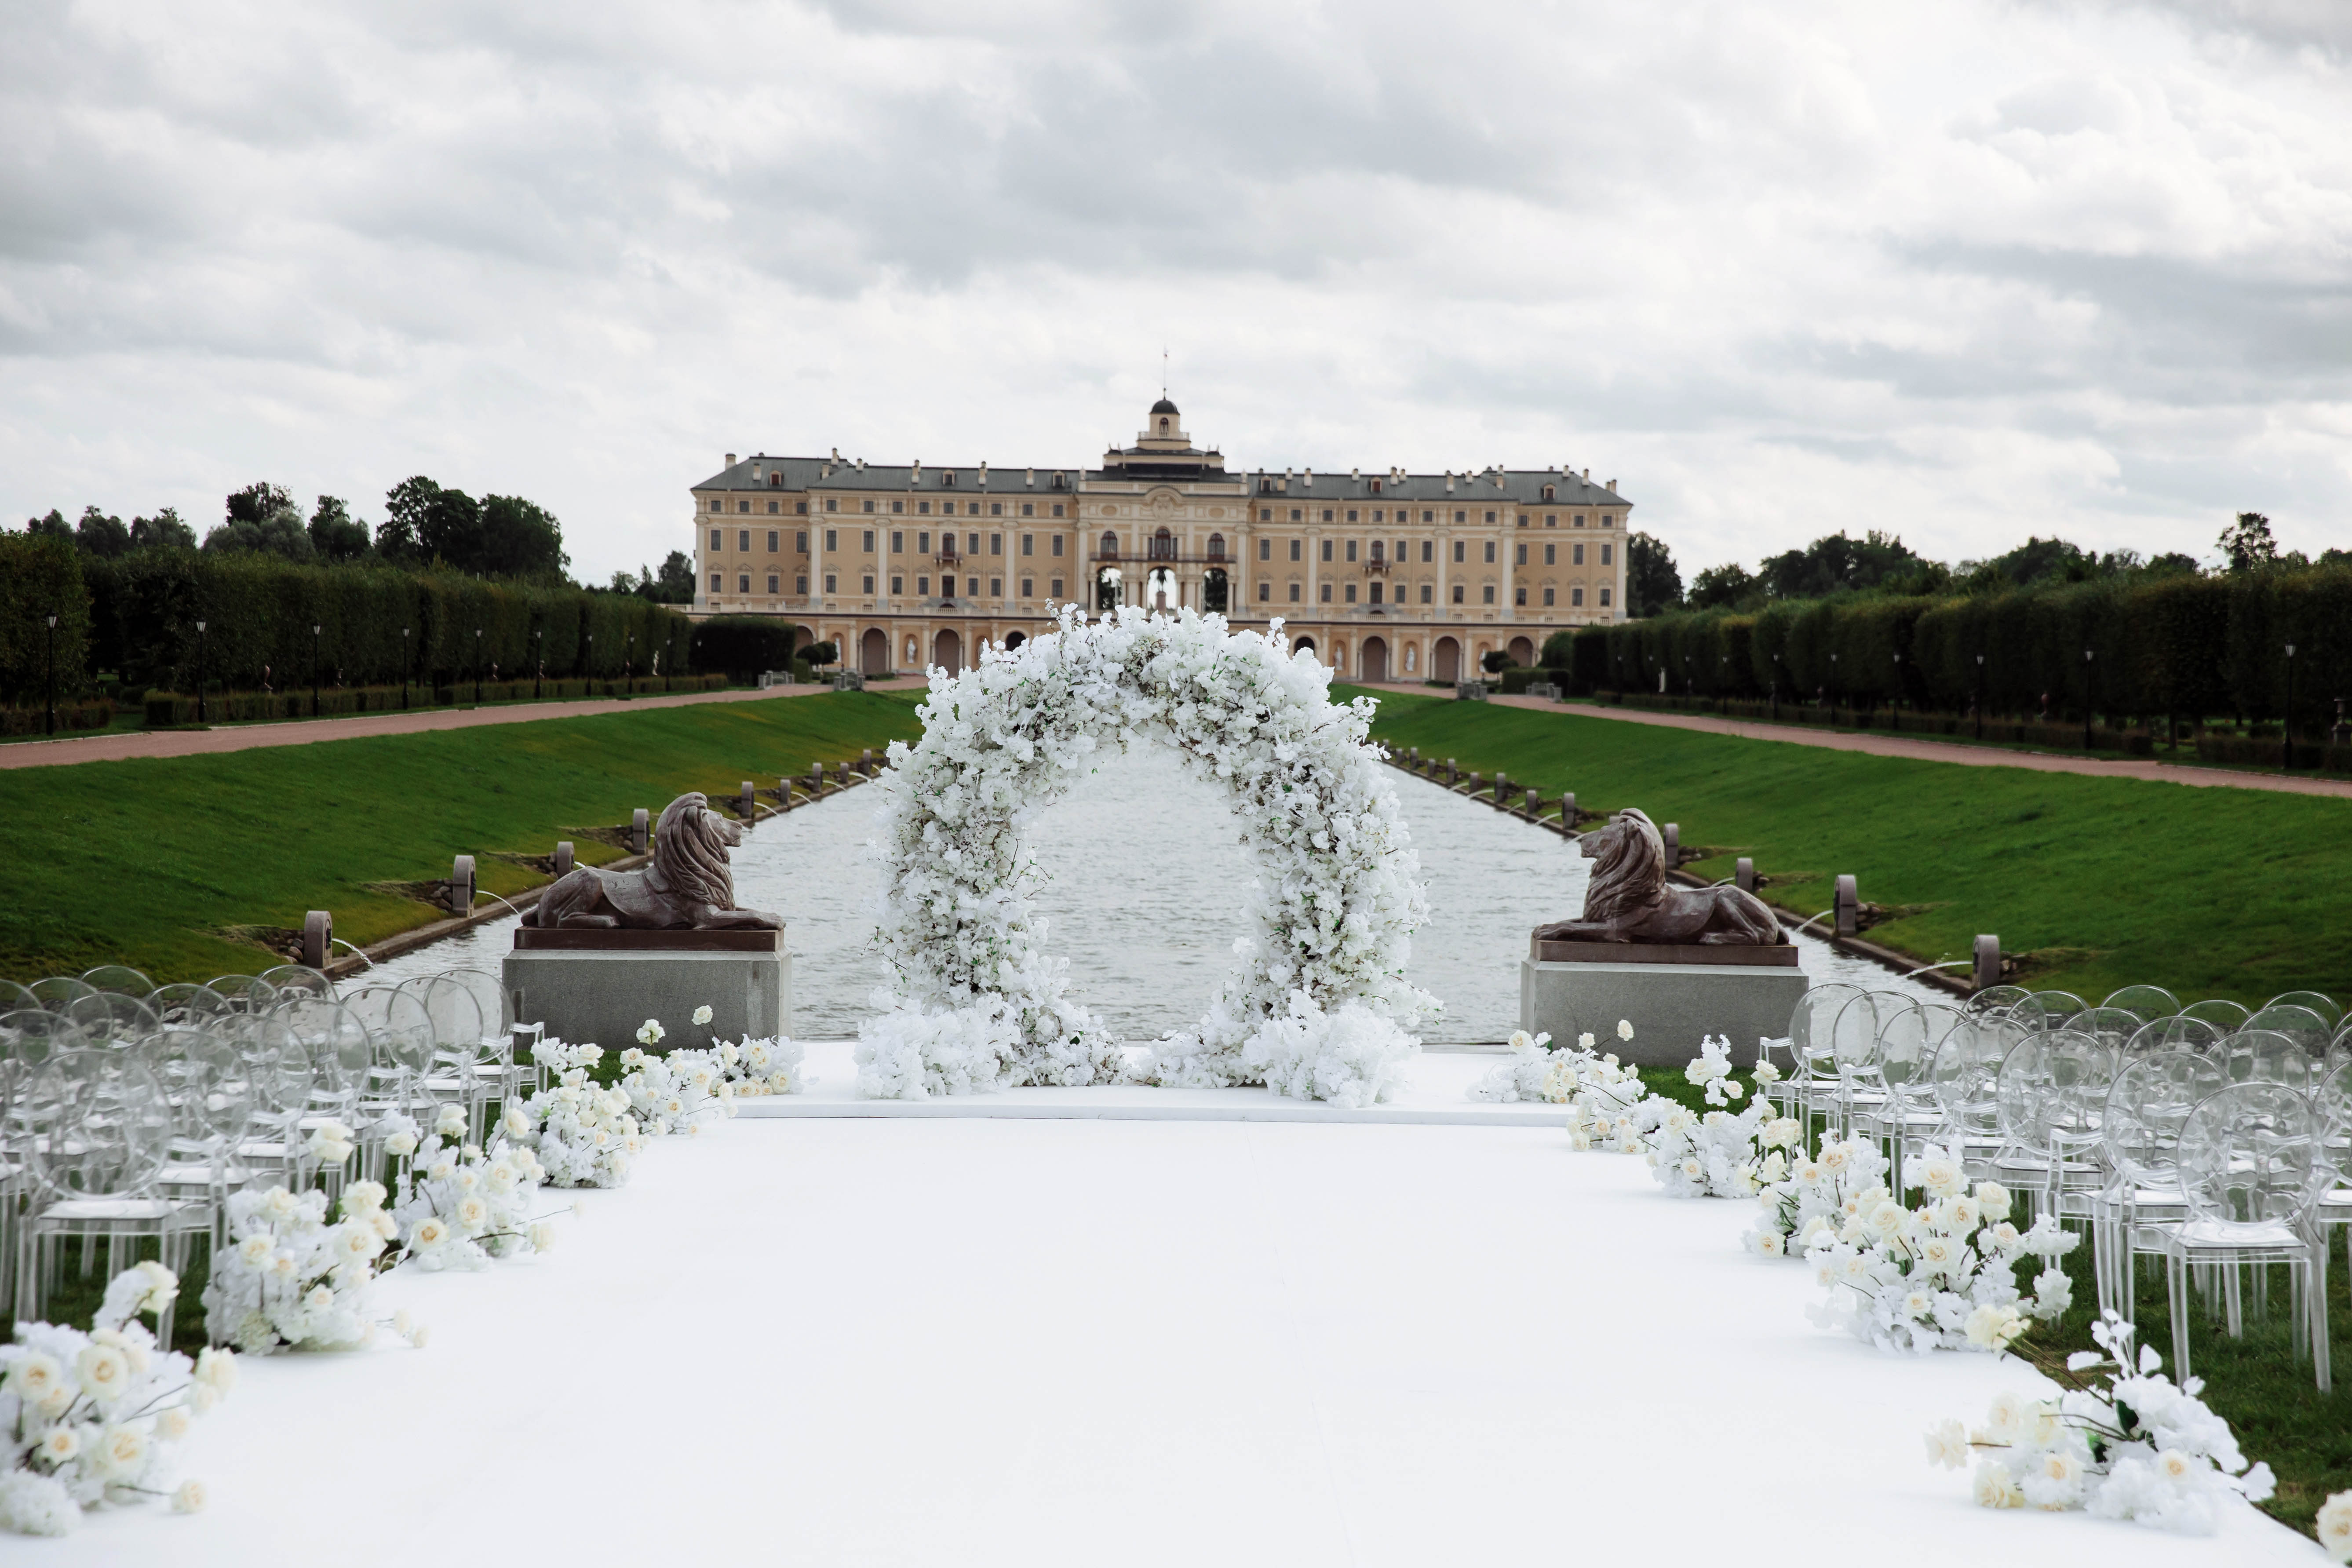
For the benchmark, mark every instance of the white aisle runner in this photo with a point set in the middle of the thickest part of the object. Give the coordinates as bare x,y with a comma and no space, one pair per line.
1041,1343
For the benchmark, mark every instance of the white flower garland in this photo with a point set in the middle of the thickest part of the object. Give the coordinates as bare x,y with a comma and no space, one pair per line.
1319,1008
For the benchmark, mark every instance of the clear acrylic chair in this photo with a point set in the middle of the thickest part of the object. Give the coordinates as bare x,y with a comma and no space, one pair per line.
2318,1002
290,980
2048,1011
112,1018
402,1034
211,1087
2174,1034
2139,1135
2332,1097
1996,998
2227,1016
2150,1002
2252,1167
497,1068
457,1046
14,997
98,1131
1964,1078
2306,1027
184,1003
1811,1083
54,991
1853,1041
119,978
33,1035
2266,1056
338,1050
2115,1027
244,993
1907,1113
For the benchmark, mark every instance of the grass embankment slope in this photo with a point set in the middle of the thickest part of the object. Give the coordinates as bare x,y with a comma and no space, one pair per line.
2097,883
151,862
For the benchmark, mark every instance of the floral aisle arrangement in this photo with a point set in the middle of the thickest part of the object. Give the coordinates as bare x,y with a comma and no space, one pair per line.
2129,1443
581,1134
1715,1153
288,1278
749,1067
1810,1197
460,1207
93,1418
1533,1073
1942,1275
1318,1006
676,1093
2335,1524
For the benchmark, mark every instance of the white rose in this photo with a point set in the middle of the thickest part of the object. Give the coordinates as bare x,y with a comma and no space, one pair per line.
104,1371
400,1146
1624,1029
121,1450
701,1015
35,1376
216,1369
60,1444
189,1498
172,1425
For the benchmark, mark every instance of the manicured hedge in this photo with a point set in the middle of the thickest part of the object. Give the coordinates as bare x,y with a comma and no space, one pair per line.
94,715
258,612
169,708
2185,648
40,575
743,646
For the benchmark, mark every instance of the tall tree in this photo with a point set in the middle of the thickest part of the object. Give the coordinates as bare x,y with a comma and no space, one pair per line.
520,539
400,536
2248,543
165,530
101,535
54,526
676,583
334,534
1652,582
451,529
1723,587
1836,561
255,502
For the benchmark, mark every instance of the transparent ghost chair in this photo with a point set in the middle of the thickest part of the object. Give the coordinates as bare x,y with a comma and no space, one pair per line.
496,1069
2265,1056
2227,1016
244,993
2115,1025
2028,1100
98,1130
2319,1002
1997,999
339,1052
271,1148
2150,1002
121,978
2308,1028
1853,1039
2173,1034
1907,1113
298,980
457,1046
2251,1168
183,1003
112,1018
2148,1105
12,996
1964,1078
2072,1113
55,991
2048,1011
1812,1082
33,1035
2332,1097
402,1031
210,1084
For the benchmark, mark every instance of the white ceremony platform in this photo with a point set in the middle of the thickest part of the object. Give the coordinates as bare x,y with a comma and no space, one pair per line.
994,1338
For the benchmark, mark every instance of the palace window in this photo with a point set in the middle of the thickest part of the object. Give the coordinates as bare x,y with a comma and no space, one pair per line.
971,546
866,506
1521,558
1490,552
1028,545
1551,553
897,506
1327,550
1576,598
715,581
743,540
773,508
1457,552
971,588
869,585
1266,550
1352,515
1487,595
832,504
1058,509
743,506
996,587
1293,593
1576,553
743,583
1352,551
923,507
1604,598
1266,514
773,581
718,539
898,585
1028,508
1605,553
1327,514
1490,516
1327,593
1461,516
829,581
1519,597
1351,593
996,509
1055,587
1057,545
1109,550
774,538
1376,594
1551,520
1428,551
1579,520
1294,545
832,540
1265,591
1457,592
1028,587
923,587
1425,593
922,543
866,543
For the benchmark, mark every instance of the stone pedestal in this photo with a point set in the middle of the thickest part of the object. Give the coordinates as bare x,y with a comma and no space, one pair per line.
1673,995
598,987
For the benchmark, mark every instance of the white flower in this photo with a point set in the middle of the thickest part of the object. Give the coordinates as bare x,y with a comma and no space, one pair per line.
189,1498
34,1377
59,1444
418,1336
650,1032
104,1373
1994,1487
2334,1526
701,1015
1584,1041
35,1504
543,1236
1624,1029
119,1451
1947,1444
215,1369
400,1146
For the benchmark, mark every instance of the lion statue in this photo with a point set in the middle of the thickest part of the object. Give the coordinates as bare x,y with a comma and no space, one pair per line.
1630,900
688,888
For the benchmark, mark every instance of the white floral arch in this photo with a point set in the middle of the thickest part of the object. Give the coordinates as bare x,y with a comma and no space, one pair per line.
1318,1008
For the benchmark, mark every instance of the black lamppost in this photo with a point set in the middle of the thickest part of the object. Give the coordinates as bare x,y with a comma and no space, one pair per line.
1833,690
628,652
538,660
1980,697
1894,702
2286,720
478,667
315,630
53,675
200,672
404,667
588,661
1776,689
2087,699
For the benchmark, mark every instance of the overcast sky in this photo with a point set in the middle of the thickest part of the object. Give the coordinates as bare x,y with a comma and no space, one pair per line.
1963,271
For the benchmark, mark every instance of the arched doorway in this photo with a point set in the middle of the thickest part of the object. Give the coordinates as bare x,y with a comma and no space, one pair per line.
1161,594
1445,660
1374,663
1213,591
1307,643
1012,640
947,652
874,651
1522,652
1106,590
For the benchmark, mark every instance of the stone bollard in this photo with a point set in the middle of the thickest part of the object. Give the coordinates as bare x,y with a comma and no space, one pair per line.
563,856
1673,834
816,778
461,885
1567,811
1534,808
1743,874
1413,754
318,938
750,808
1502,780
868,761
1987,973
1452,774
783,794
1849,906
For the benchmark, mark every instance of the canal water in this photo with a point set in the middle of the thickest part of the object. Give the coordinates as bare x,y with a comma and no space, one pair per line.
1142,864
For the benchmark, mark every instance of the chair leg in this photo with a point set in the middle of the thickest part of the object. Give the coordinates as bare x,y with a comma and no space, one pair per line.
2175,1271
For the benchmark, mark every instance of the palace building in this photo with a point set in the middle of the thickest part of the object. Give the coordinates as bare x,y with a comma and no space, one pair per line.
1386,576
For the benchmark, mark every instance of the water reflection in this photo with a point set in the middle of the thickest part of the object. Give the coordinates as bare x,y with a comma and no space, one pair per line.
1141,864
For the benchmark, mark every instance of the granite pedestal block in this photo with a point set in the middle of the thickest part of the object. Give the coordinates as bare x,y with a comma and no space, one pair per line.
1672,995
594,987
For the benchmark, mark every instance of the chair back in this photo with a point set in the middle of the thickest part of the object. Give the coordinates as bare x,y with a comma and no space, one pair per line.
2318,1002
2048,1011
53,991
1966,1074
397,1020
184,1003
98,1126
2150,1002
298,979
2082,1069
119,978
1813,1013
2308,1028
2250,1157
33,1035
1997,999
334,1042
2115,1025
2265,1056
244,993
2178,1033
111,1017
2146,1106
2227,1016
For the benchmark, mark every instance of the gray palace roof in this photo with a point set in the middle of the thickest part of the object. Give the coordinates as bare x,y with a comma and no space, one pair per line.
1296,487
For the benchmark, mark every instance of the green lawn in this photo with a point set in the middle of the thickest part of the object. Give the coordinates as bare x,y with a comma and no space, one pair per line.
149,862
2099,882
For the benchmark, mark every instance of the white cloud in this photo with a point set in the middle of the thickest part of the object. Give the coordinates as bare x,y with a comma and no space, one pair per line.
1962,270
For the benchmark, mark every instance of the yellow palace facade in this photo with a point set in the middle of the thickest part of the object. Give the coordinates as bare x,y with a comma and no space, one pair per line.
1386,576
